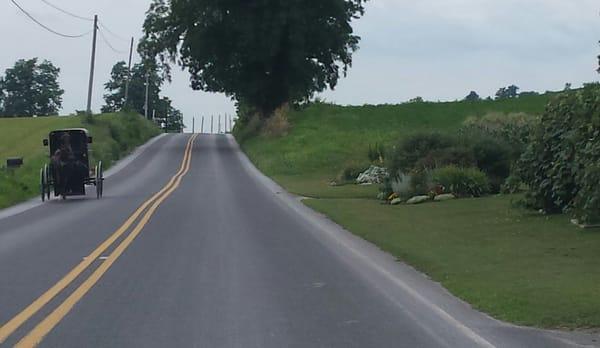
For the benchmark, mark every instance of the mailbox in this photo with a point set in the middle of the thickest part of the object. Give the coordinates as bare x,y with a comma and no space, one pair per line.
14,162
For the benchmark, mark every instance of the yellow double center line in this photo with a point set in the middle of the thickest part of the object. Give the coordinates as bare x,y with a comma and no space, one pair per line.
35,336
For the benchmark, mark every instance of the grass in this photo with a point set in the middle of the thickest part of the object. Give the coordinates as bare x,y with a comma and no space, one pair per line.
514,264
517,266
114,136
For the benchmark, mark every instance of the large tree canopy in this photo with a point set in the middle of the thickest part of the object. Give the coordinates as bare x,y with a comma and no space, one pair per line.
30,88
261,53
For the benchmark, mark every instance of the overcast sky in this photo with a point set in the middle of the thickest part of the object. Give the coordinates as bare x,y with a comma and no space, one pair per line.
437,49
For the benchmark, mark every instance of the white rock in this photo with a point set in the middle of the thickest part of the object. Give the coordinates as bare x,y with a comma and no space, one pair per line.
444,197
396,201
418,200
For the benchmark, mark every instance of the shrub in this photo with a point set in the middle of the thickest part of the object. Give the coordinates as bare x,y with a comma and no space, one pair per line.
461,156
350,172
421,182
405,155
277,125
461,181
495,158
561,164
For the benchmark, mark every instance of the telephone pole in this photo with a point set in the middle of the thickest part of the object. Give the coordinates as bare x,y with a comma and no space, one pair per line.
193,125
92,64
146,98
128,73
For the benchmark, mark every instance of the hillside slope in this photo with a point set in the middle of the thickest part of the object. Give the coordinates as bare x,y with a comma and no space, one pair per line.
326,138
115,135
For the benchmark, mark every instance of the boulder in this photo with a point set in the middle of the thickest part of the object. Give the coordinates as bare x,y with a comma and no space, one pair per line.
444,197
418,200
396,201
373,175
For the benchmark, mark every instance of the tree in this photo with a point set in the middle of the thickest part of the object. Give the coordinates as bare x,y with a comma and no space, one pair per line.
528,94
568,86
261,53
473,96
29,88
511,91
115,98
170,117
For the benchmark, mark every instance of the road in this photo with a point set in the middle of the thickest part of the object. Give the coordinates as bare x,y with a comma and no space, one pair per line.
193,247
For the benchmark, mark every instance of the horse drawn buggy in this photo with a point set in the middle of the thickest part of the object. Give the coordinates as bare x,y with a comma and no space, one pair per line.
68,172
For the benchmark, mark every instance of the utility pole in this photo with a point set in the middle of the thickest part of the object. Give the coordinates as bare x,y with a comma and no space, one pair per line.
146,99
92,64
219,124
212,121
128,73
202,126
193,125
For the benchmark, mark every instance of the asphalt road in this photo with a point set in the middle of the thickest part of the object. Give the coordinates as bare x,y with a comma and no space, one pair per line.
221,257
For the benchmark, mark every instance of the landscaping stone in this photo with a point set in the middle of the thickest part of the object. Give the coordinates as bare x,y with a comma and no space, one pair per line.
396,201
444,197
373,175
418,200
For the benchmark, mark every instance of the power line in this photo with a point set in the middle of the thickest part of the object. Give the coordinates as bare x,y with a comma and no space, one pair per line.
112,33
89,19
46,27
67,12
109,45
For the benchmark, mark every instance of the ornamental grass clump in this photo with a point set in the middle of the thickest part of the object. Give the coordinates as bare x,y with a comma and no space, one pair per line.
462,182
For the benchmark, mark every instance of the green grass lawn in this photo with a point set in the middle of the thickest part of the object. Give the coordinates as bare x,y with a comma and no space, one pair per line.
516,265
513,264
114,136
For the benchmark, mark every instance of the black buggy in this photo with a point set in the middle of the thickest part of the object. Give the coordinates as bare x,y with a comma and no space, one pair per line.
69,169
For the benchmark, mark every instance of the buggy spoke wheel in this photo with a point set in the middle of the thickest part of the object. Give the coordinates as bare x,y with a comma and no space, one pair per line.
99,180
43,183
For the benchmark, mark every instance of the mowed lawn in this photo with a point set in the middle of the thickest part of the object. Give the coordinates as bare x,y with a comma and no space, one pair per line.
514,264
114,136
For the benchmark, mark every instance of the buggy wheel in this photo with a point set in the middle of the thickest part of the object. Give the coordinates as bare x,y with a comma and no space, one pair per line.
48,181
43,183
99,180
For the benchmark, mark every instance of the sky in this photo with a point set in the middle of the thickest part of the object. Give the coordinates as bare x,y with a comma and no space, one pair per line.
436,49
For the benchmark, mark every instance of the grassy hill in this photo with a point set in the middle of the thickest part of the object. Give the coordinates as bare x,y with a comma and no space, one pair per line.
326,138
114,136
515,264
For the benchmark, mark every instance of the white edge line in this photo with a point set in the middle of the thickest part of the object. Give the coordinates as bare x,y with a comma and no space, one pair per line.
294,204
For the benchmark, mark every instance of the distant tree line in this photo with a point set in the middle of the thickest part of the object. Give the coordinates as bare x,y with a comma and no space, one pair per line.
511,92
30,88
